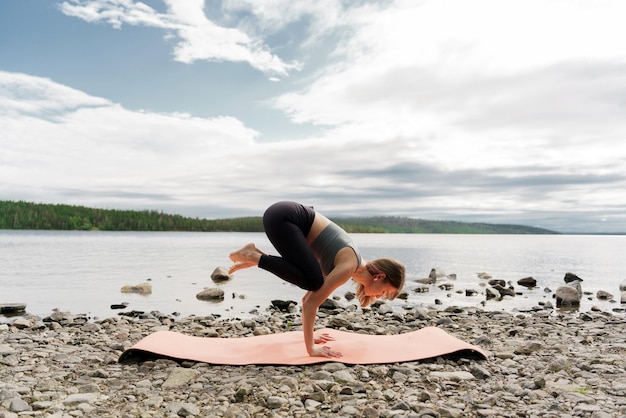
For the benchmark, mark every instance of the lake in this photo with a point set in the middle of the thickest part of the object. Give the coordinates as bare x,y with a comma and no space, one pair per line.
82,272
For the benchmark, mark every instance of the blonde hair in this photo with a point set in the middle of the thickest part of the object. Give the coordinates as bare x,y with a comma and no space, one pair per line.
394,275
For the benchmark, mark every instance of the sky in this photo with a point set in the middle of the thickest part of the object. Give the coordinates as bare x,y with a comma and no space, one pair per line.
475,111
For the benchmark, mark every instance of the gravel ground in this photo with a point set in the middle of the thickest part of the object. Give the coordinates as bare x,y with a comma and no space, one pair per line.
541,363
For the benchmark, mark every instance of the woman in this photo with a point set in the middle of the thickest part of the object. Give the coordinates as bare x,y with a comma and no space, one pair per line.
318,256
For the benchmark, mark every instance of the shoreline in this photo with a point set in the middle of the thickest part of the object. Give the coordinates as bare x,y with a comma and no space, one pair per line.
540,363
436,296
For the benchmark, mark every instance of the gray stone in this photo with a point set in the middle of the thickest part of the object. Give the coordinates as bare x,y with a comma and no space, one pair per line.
349,411
12,308
311,405
559,363
528,347
262,331
21,323
90,327
333,367
456,376
180,377
210,294
276,402
10,360
40,405
528,282
78,398
436,273
153,402
188,409
343,376
141,288
19,405
220,274
6,349
480,372
568,295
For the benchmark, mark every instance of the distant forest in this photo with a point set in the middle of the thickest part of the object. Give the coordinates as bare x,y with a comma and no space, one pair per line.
38,216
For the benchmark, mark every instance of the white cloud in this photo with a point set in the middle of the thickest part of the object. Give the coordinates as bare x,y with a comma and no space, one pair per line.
54,137
478,83
89,151
274,15
39,96
198,38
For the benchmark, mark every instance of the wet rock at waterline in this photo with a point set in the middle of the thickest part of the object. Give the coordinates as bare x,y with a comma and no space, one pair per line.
141,288
211,294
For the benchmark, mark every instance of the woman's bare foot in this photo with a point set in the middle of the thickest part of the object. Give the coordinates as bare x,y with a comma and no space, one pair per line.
240,266
248,253
246,257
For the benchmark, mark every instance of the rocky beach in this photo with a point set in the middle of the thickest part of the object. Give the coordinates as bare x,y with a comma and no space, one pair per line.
541,363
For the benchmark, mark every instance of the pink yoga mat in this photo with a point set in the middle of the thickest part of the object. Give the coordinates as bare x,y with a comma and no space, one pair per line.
288,348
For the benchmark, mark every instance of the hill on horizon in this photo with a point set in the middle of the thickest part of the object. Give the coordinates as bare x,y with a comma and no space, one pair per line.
41,216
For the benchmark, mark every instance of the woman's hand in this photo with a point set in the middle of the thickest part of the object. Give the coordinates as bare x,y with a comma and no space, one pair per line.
322,339
325,351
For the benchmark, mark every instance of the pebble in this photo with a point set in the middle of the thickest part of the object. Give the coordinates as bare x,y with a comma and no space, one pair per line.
550,365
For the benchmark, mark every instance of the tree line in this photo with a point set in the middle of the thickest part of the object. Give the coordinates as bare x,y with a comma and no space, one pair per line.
41,216
25,215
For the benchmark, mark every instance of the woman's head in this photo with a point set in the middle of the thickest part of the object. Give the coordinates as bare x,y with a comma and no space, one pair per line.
386,281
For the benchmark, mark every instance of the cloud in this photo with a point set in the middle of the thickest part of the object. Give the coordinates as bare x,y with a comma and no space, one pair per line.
319,17
90,151
197,38
477,84
56,138
21,93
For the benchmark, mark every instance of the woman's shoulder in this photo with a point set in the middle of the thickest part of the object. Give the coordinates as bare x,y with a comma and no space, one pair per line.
348,258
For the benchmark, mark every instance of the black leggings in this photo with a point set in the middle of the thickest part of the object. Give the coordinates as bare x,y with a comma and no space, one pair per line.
287,225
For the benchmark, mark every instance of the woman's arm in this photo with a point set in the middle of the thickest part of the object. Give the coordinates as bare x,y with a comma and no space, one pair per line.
311,302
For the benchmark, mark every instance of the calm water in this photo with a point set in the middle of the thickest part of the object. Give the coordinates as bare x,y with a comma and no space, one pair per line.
82,272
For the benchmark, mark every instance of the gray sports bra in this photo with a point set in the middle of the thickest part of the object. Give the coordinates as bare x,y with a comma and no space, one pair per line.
327,245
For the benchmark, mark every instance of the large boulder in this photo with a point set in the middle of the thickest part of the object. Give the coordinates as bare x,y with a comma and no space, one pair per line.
569,295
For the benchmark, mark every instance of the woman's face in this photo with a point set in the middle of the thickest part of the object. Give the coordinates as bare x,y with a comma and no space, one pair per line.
378,286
